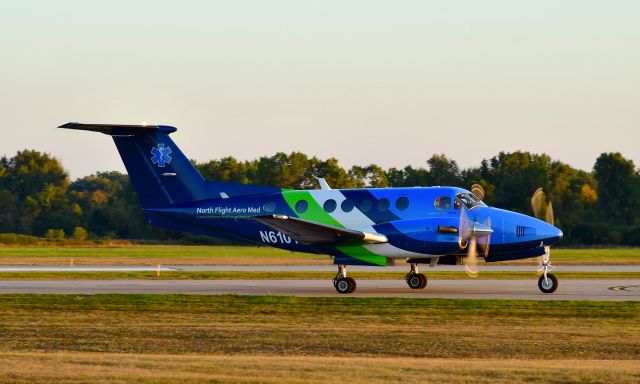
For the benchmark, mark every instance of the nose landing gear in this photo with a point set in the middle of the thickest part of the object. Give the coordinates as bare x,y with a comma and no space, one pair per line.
342,282
547,283
415,279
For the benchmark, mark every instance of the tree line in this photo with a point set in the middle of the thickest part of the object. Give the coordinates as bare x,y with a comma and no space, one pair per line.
602,206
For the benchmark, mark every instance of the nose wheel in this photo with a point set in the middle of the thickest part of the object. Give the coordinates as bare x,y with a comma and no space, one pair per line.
343,283
415,279
548,283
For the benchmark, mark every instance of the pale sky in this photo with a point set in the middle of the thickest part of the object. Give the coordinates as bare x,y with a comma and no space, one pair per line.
386,82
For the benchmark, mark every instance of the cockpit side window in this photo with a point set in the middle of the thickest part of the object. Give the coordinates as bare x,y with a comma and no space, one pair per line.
442,203
470,200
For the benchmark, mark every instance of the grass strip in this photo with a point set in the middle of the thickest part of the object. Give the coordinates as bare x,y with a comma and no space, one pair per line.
103,368
328,326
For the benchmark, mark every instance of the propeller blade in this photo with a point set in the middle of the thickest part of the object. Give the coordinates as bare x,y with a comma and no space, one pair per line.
464,225
485,241
536,202
471,261
477,190
548,216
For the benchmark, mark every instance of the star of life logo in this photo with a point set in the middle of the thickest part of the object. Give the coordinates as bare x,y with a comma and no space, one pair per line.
161,155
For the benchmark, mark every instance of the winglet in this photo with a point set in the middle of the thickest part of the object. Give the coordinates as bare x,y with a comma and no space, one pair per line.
120,129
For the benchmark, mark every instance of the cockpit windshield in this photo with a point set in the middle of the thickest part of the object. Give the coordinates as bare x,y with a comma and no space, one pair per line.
470,200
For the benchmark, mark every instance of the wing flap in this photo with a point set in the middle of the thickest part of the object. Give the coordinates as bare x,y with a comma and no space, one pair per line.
312,233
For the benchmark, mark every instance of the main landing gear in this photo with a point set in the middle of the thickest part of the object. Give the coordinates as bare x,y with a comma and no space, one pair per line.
345,284
547,283
415,279
342,282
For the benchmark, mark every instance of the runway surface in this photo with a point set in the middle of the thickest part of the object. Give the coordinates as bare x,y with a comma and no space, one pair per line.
305,268
600,289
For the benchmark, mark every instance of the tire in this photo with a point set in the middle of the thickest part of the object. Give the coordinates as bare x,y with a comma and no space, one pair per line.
352,284
416,281
424,280
344,286
550,286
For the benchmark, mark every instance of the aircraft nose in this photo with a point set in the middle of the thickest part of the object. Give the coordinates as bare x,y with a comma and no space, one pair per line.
551,234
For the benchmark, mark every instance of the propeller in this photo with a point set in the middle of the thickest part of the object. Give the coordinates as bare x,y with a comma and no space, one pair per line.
537,206
477,190
474,233
471,262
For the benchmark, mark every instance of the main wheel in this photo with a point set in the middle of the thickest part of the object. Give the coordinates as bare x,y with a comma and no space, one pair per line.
424,280
345,285
417,281
352,284
548,286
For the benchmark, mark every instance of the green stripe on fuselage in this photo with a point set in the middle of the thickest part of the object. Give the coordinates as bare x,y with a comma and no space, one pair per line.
361,253
314,211
317,214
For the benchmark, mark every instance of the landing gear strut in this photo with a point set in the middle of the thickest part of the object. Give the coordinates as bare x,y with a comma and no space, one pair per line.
342,282
415,279
547,283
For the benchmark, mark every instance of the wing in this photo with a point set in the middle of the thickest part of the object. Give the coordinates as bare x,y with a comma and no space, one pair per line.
312,233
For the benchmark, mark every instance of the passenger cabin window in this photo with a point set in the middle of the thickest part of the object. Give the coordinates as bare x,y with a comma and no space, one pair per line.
301,206
365,205
443,203
402,203
382,205
470,200
330,205
347,205
269,207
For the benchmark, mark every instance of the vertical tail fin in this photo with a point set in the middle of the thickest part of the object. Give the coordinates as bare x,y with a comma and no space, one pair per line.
160,173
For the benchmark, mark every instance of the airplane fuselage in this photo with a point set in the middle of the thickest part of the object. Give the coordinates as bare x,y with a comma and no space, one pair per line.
412,219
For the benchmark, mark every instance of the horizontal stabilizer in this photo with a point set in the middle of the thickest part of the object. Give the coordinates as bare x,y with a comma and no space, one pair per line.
312,233
120,129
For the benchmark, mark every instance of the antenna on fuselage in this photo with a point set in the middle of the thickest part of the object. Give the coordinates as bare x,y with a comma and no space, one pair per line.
323,183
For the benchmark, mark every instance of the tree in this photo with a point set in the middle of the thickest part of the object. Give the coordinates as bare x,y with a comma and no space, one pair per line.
514,177
55,234
29,172
227,169
618,189
108,205
37,183
79,234
371,176
332,172
443,171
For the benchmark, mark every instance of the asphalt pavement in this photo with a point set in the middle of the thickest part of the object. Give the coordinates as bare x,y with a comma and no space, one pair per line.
525,289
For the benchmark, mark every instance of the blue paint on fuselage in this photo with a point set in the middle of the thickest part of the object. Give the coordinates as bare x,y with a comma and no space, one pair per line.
175,195
413,228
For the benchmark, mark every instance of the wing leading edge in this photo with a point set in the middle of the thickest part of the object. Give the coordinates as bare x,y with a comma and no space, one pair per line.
312,233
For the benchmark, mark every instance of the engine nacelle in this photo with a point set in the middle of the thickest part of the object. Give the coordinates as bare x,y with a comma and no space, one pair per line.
433,236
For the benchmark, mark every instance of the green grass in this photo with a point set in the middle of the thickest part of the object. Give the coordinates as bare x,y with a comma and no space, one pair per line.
274,339
189,255
320,326
567,256
156,254
251,275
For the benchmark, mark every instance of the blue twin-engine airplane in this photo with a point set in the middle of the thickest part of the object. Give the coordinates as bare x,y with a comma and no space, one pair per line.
366,226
